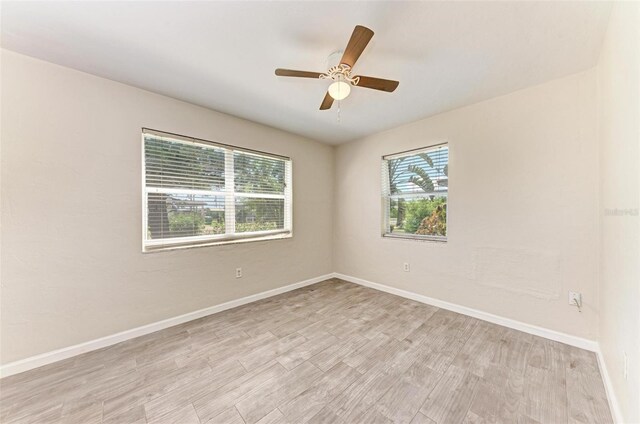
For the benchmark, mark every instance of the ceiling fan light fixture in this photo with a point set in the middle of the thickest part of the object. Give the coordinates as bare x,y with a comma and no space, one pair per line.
339,90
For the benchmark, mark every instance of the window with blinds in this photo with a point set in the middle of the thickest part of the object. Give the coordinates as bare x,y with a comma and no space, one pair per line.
415,187
198,192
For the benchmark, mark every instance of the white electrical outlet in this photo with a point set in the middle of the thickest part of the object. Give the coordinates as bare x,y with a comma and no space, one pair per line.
625,365
407,267
238,272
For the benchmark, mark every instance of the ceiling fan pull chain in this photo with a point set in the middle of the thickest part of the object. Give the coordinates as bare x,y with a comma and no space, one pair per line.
339,111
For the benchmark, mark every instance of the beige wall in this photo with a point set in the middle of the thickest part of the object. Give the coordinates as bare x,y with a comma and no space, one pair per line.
522,210
619,78
72,267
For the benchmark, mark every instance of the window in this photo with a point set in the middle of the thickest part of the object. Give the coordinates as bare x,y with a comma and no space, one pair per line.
414,193
200,193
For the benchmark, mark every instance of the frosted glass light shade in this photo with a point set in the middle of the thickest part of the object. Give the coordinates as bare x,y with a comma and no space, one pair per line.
339,90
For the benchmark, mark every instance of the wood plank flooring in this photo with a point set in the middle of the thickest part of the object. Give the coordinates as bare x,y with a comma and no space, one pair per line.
333,352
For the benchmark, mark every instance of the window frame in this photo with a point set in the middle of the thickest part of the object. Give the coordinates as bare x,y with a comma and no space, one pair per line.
158,245
385,198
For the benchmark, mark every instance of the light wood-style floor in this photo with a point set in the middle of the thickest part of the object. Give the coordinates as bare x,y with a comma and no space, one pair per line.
333,352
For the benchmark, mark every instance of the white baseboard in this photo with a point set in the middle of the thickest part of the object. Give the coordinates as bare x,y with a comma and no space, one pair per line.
614,406
590,345
67,352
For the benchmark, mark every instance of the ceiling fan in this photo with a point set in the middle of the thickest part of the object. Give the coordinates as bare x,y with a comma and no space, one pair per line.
340,74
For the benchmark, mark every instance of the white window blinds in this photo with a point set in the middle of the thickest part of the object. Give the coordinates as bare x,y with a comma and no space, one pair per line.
198,193
415,188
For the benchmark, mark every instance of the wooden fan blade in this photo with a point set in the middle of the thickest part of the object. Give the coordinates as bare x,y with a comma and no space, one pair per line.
300,74
358,41
327,102
378,83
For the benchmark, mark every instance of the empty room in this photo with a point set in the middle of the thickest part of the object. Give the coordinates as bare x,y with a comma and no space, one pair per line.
261,212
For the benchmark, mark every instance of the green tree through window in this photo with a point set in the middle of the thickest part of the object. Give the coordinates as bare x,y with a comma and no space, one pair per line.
417,187
195,190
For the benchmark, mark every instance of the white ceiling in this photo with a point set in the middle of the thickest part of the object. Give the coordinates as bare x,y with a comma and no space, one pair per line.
222,55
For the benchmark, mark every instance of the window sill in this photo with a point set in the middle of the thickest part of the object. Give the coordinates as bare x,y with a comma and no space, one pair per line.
220,242
436,239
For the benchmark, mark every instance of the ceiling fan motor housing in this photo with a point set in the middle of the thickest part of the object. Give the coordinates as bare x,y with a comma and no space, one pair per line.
341,72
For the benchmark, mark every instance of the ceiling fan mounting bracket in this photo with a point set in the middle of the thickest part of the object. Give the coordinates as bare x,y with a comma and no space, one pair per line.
341,72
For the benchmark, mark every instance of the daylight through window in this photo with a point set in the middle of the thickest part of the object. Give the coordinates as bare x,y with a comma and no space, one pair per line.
414,193
199,193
